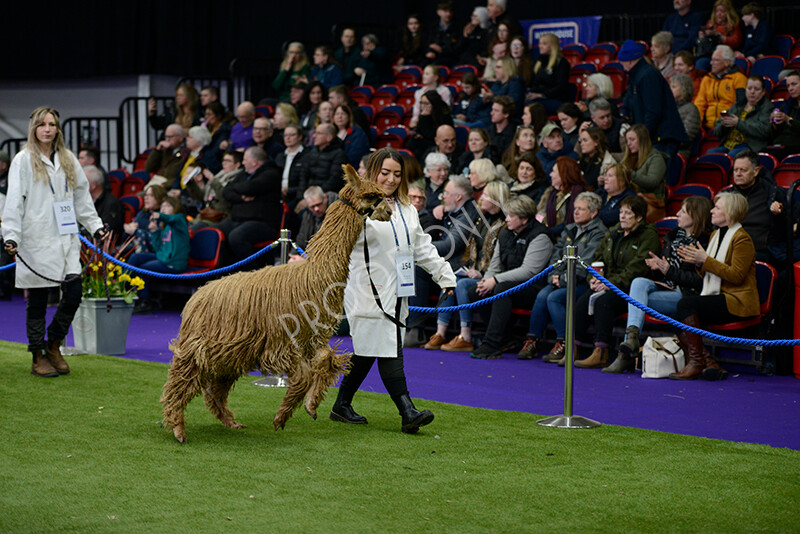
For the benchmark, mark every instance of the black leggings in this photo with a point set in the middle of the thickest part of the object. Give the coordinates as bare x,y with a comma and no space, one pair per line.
392,373
37,307
606,309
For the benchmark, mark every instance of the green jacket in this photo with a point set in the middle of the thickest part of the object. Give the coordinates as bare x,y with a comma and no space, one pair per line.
172,243
624,256
756,127
651,177
285,79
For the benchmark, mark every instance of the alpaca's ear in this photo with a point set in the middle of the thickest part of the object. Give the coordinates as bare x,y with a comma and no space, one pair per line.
350,175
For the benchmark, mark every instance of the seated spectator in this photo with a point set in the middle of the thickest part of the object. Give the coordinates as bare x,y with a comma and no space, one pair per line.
470,109
219,126
661,52
443,44
766,203
613,127
254,196
553,147
616,186
324,70
724,27
296,93
523,249
503,124
431,81
683,63
521,54
183,111
108,207
474,39
412,42
418,199
729,291
348,55
557,203
648,167
535,115
758,33
437,169
597,85
197,159
531,180
153,196
585,234
198,143
356,141
168,157
683,25
215,207
325,160
570,117
285,114
317,203
623,251
478,146
670,279
374,66
480,249
459,216
291,162
264,136
786,119
208,94
595,156
434,112
721,87
481,172
506,83
551,75
314,96
90,155
242,132
498,48
339,95
683,91
293,68
746,124
445,143
169,233
324,116
524,141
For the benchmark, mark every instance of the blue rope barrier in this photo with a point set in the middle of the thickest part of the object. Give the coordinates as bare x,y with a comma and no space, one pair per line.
687,328
487,300
7,267
188,276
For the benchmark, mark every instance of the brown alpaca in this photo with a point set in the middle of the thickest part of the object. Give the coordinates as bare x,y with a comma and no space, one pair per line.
276,319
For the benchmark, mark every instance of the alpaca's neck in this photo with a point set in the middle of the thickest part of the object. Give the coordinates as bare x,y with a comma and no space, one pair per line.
331,246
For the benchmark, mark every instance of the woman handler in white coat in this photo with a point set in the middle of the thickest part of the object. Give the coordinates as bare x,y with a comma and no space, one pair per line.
375,297
48,194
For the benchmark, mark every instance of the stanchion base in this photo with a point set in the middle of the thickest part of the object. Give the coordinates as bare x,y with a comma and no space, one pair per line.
272,382
568,421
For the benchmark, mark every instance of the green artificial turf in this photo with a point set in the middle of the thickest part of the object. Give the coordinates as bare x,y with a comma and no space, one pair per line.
85,453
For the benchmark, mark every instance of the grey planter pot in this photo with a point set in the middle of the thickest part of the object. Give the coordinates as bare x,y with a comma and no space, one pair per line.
97,331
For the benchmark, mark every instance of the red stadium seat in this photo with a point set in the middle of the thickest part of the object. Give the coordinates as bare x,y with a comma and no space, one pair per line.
708,173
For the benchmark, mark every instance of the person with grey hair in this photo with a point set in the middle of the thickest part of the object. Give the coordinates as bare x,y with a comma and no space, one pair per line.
613,127
437,169
324,162
169,155
317,202
683,90
597,85
585,234
474,42
374,66
522,251
108,207
661,52
721,88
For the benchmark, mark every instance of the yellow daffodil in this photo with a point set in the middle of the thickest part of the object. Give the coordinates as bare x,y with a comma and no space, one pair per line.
124,278
95,267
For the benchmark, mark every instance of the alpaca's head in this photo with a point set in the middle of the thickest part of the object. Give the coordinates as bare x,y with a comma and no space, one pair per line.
365,196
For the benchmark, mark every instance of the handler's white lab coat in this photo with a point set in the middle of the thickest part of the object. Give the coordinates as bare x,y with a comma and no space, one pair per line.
374,334
29,219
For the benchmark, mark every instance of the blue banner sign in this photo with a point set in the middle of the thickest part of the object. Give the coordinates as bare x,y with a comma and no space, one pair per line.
569,30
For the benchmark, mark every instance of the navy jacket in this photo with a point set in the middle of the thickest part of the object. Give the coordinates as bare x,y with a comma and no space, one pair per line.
684,29
649,101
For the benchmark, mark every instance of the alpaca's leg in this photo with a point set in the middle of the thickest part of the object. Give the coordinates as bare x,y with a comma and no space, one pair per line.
216,396
327,366
182,386
299,383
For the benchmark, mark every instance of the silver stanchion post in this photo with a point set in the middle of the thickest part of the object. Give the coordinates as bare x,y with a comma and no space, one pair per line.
568,420
285,243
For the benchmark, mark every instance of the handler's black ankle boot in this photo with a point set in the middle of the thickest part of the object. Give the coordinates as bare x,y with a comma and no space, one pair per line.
412,418
342,411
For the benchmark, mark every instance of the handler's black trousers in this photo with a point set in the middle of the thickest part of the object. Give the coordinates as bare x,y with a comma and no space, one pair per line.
392,373
37,306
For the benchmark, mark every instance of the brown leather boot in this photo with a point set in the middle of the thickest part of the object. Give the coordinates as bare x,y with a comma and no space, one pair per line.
41,366
713,370
693,349
598,358
53,354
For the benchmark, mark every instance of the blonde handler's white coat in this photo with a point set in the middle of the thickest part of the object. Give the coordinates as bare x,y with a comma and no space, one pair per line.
373,334
29,219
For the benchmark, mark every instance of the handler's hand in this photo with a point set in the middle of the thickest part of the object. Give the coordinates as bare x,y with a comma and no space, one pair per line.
11,247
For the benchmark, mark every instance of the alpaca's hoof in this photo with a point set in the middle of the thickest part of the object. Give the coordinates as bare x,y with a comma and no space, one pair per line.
179,435
312,413
233,424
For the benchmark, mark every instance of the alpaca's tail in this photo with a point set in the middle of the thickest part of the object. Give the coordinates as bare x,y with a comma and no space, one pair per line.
327,366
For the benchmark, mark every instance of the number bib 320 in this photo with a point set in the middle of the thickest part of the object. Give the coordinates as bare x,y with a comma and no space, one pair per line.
65,217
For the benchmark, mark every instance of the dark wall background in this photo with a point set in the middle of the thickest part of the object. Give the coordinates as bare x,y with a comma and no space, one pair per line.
44,39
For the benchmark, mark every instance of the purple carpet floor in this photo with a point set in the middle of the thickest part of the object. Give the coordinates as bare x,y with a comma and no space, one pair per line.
745,408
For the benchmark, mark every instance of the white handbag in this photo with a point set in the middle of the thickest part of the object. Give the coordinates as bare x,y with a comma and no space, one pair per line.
661,356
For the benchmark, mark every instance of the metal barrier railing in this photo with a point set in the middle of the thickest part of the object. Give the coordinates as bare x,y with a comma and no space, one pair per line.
223,84
13,145
252,78
99,132
135,133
